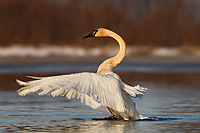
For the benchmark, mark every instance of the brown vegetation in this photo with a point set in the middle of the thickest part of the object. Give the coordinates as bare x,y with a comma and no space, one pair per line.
45,22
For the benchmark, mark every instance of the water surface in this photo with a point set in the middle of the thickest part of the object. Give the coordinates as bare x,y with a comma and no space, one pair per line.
139,67
178,110
177,107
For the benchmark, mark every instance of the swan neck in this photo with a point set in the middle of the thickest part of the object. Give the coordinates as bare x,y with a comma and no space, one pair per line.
122,51
110,63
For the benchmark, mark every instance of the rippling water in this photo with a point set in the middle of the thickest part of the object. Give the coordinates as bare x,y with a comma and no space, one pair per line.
178,110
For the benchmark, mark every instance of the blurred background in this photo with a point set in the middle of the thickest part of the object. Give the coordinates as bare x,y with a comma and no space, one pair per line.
45,37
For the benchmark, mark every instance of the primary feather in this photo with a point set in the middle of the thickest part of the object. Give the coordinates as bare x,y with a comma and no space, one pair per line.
91,88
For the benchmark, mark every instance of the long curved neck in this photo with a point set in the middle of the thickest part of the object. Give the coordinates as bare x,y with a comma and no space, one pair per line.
110,63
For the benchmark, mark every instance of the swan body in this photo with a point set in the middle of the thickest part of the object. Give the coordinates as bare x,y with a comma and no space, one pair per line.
101,89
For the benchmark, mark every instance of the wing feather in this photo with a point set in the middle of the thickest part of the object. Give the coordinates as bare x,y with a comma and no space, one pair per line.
93,89
135,91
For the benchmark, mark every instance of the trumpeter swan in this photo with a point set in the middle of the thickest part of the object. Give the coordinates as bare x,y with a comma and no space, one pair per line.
103,88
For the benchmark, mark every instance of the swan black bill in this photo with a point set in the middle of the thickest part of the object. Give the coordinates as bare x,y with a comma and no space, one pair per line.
91,34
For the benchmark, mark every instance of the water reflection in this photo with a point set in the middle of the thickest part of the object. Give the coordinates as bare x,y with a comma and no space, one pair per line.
77,126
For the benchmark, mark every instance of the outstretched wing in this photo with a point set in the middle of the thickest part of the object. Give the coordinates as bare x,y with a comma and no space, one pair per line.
93,89
135,91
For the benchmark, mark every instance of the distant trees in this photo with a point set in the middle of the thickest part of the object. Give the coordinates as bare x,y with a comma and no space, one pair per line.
45,22
170,26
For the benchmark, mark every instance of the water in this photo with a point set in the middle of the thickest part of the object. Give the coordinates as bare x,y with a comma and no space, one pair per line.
178,110
177,107
139,67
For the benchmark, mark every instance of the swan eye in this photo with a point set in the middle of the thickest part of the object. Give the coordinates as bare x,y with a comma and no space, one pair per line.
94,32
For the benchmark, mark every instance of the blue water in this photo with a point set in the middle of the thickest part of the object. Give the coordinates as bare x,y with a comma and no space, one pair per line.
178,110
139,67
177,107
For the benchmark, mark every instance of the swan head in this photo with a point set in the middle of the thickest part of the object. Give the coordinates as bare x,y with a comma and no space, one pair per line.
100,32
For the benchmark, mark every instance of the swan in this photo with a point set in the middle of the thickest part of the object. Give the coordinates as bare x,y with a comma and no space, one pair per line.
101,89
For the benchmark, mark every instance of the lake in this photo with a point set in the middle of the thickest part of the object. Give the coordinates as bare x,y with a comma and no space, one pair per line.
176,106
65,67
178,110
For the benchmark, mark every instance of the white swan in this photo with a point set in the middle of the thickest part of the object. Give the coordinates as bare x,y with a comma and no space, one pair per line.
103,88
